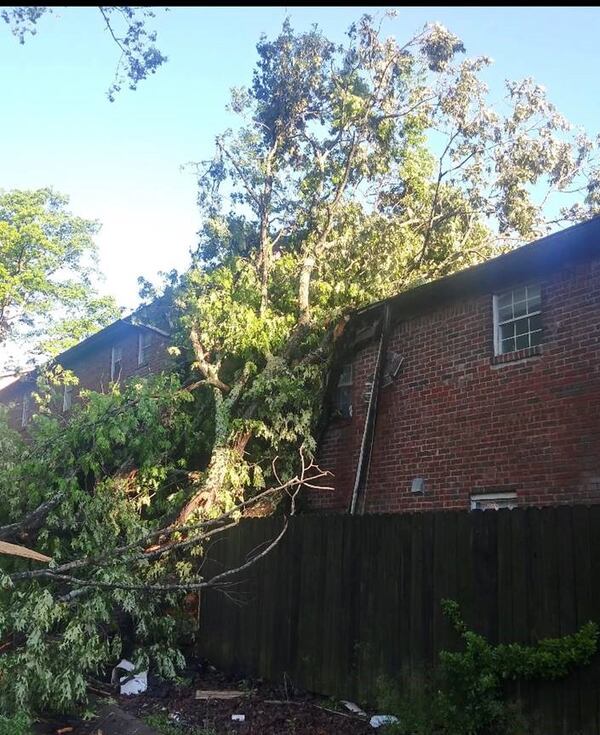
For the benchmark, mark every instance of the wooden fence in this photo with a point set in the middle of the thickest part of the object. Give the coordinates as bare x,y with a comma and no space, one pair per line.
344,599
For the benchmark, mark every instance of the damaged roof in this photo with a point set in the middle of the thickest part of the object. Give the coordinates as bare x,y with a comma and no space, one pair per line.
573,245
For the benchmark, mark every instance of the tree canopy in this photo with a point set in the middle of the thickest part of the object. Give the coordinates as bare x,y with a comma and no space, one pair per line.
47,267
356,171
127,26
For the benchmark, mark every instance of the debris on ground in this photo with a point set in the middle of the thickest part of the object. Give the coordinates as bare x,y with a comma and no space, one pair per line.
381,720
353,708
220,705
217,694
23,551
130,683
210,702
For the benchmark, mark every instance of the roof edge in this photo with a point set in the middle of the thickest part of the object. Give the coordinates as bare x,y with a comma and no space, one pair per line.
576,243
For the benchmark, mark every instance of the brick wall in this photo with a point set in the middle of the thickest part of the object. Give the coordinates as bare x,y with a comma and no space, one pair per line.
93,367
93,370
468,422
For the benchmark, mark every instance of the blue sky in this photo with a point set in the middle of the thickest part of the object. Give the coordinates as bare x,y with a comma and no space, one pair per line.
120,162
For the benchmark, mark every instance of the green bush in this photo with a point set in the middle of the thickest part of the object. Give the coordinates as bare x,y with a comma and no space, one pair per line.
18,725
466,694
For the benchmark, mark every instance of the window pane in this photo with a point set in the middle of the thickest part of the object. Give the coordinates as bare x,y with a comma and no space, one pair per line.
343,401
523,341
346,375
494,503
505,299
536,338
522,326
533,305
520,309
143,347
115,362
535,322
515,330
508,345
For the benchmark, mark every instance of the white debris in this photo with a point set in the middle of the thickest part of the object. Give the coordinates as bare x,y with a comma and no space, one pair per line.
238,718
130,683
354,708
381,720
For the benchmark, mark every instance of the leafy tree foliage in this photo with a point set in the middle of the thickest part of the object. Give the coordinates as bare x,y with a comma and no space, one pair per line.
466,694
88,466
47,258
101,494
83,317
126,25
356,171
47,266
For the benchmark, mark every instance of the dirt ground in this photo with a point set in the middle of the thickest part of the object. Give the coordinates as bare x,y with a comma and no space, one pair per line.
267,710
176,710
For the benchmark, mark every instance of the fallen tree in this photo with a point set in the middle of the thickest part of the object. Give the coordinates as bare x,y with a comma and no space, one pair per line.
115,537
356,171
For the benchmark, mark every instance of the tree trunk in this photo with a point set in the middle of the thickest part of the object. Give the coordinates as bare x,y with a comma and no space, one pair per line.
308,267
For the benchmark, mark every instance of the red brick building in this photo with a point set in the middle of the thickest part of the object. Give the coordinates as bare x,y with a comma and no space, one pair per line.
481,389
118,352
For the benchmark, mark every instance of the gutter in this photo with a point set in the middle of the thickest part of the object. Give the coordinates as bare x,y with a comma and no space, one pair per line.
359,491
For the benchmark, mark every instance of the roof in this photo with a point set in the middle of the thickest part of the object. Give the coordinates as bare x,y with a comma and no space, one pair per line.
149,316
8,379
104,335
574,244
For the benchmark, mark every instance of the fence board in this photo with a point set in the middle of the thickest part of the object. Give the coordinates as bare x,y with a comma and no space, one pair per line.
344,599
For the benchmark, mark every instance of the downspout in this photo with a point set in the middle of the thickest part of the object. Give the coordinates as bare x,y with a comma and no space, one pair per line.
359,491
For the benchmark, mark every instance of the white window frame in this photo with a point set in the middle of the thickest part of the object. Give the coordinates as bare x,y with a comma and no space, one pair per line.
346,381
490,498
144,343
67,398
25,409
498,324
116,356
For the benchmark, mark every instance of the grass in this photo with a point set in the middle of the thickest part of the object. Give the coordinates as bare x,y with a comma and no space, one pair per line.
165,726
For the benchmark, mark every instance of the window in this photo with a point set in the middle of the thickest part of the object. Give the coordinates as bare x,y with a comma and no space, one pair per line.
116,360
67,398
517,319
343,392
144,342
25,409
493,501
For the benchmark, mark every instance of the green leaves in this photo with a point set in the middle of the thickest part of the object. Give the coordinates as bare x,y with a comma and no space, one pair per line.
47,262
126,24
355,172
116,463
471,696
